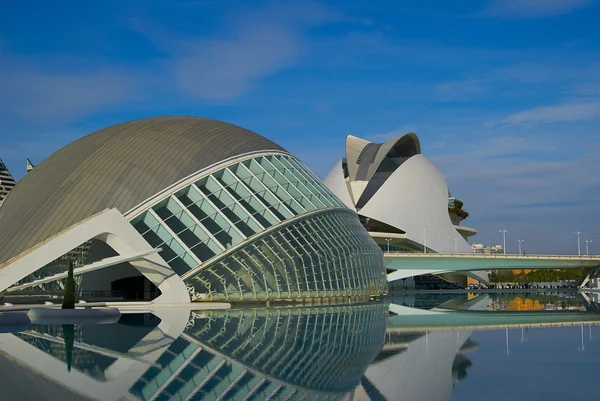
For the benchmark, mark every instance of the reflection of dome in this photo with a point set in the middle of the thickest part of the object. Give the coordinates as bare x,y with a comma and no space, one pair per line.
187,202
312,353
322,349
396,190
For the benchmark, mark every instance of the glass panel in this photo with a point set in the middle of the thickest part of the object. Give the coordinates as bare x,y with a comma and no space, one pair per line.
78,255
314,184
209,217
230,207
233,204
282,195
266,197
243,195
324,255
159,237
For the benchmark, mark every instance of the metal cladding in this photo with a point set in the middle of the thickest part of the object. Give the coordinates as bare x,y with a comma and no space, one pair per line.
116,167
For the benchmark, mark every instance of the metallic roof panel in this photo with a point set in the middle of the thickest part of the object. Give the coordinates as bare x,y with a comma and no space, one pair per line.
116,167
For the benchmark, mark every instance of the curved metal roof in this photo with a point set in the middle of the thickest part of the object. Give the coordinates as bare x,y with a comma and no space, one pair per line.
116,167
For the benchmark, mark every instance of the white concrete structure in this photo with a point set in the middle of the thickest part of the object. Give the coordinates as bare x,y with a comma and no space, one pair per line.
400,195
393,184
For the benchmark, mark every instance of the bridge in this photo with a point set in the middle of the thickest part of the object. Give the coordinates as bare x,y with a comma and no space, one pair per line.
415,264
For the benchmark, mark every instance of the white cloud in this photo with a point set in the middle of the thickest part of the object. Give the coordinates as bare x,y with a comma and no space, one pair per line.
226,69
266,41
529,196
30,90
562,112
508,145
533,8
459,91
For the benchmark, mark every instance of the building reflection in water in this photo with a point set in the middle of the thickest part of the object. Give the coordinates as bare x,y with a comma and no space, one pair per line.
367,352
417,366
316,353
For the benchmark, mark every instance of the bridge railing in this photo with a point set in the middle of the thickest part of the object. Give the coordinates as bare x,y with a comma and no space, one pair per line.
491,255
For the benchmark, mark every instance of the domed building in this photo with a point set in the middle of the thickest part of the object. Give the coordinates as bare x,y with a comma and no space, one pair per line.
183,208
401,197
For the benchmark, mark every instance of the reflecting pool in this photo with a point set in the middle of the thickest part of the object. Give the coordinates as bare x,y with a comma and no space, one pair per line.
412,346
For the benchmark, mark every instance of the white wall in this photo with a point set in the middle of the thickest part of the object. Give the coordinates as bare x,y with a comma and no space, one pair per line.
416,196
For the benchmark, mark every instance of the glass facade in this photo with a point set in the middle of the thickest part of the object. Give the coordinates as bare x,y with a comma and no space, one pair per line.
248,205
275,354
324,255
78,255
243,354
225,208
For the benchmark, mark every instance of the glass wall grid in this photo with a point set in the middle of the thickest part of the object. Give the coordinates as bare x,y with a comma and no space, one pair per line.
322,255
223,209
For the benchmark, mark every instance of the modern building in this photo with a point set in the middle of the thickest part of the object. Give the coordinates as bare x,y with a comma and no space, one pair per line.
401,197
7,182
188,208
487,250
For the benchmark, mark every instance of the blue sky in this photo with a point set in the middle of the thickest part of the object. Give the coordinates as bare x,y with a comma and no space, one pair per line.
504,94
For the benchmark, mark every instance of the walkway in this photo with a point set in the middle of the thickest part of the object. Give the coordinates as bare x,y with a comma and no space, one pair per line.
414,264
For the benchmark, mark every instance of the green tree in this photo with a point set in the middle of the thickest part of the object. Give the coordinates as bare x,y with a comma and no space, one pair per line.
69,338
69,295
458,211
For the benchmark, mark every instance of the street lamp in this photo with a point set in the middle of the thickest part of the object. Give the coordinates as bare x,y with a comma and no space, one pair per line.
507,349
578,242
455,245
504,231
424,230
520,241
587,247
388,244
582,348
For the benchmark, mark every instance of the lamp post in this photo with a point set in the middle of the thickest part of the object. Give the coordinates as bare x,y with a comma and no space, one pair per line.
578,242
455,245
388,244
587,247
582,348
424,230
520,241
504,231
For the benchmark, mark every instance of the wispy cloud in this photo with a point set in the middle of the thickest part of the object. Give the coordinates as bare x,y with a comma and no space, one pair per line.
266,41
386,136
527,195
32,91
459,91
226,69
508,146
587,110
533,8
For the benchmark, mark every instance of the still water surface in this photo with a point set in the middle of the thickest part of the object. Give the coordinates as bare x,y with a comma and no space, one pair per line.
413,346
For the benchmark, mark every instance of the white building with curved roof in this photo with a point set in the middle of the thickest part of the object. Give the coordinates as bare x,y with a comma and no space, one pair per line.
189,209
399,194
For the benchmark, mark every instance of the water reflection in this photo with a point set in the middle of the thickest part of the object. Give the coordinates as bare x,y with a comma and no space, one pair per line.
367,352
244,354
428,350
